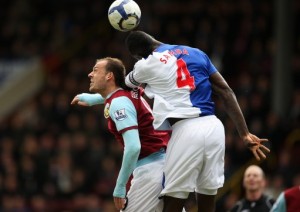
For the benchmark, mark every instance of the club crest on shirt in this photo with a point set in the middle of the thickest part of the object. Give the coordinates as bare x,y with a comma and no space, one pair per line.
106,111
120,114
135,94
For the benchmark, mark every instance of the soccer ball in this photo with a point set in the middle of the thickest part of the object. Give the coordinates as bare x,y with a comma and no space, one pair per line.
124,15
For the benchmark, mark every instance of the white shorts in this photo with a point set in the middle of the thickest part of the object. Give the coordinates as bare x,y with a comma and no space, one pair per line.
195,157
146,186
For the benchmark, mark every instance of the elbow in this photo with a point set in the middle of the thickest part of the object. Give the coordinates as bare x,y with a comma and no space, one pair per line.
136,150
227,94
133,150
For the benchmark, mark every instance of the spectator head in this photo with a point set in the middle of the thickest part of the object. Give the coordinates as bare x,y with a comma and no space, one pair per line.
254,179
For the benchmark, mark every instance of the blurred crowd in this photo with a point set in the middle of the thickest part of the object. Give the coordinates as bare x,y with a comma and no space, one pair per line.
57,157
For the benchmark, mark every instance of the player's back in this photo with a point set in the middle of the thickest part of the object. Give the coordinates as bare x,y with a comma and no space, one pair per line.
178,77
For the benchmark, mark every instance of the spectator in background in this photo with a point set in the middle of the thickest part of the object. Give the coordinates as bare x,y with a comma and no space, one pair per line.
255,199
288,200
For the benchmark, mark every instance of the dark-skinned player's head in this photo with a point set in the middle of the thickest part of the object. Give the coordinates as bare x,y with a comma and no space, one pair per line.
141,44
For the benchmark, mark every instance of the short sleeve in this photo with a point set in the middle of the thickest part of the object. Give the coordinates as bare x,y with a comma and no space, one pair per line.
123,113
209,66
280,204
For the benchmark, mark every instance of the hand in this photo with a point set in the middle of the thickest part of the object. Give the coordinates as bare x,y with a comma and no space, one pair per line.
78,102
120,203
255,145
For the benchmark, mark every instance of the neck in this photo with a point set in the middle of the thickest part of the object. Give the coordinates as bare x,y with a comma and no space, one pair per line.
157,44
109,91
253,195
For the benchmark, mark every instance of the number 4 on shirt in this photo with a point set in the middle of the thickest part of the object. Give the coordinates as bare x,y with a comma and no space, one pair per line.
184,77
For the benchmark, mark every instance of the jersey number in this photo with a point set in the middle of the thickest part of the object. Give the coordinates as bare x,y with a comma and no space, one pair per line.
184,77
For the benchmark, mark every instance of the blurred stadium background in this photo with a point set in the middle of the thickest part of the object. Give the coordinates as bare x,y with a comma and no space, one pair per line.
54,157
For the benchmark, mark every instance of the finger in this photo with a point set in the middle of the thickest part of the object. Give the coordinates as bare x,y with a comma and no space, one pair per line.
122,203
251,144
74,101
82,103
265,148
119,203
264,140
116,202
261,153
255,155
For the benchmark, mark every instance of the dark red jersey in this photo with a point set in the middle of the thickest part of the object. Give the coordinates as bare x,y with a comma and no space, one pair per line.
126,110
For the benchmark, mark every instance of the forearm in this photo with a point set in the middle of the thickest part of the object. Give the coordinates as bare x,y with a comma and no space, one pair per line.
91,99
234,112
130,157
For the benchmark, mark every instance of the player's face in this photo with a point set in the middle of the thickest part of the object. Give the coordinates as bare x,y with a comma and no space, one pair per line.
98,77
253,179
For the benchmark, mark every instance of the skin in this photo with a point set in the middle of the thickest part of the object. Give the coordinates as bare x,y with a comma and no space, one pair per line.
102,82
254,182
223,91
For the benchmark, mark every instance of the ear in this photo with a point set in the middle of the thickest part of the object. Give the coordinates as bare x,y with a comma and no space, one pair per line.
109,75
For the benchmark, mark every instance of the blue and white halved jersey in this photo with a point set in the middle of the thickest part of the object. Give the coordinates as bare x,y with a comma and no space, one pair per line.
177,77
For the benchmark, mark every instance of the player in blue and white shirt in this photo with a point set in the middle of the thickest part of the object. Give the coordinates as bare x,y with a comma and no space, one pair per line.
181,80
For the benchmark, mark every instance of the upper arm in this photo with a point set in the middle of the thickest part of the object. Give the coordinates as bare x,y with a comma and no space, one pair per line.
137,76
219,85
280,204
123,113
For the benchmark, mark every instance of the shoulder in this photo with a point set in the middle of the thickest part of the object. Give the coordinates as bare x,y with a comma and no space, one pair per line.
121,108
268,198
292,191
269,201
238,206
121,101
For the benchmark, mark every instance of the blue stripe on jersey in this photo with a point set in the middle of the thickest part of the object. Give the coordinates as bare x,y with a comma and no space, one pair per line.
200,67
123,113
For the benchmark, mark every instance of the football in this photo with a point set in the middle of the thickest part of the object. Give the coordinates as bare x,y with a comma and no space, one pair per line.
124,15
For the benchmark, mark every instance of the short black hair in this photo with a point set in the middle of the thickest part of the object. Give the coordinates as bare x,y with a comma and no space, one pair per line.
140,44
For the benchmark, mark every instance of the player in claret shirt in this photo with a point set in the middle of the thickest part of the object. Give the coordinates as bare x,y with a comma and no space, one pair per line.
181,80
130,119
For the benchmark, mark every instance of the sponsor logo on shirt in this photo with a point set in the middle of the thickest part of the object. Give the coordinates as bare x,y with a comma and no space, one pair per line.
120,114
